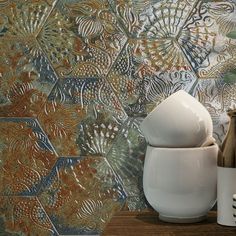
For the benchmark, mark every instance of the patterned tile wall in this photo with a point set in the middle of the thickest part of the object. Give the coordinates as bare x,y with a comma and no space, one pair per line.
76,79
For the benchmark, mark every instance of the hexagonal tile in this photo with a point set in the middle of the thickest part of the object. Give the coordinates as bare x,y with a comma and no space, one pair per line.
217,96
81,194
89,71
26,156
219,62
81,38
26,75
72,103
203,38
152,18
198,35
24,216
148,71
126,159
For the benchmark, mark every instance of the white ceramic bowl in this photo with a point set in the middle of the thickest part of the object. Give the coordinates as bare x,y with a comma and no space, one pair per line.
180,183
179,121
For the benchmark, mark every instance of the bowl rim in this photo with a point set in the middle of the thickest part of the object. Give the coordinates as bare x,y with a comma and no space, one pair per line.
213,146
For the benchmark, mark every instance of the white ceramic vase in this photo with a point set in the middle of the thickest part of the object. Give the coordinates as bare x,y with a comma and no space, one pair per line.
180,183
179,121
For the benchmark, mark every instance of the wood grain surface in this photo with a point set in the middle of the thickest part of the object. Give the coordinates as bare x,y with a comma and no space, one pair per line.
147,223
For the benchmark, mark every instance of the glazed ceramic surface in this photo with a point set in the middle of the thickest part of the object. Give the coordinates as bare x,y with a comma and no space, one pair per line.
181,183
234,207
179,121
226,188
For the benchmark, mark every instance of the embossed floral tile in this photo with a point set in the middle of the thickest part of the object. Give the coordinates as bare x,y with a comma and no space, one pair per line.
184,40
152,18
126,158
217,96
39,46
26,156
221,60
148,71
24,216
81,195
26,75
81,38
219,19
81,114
86,73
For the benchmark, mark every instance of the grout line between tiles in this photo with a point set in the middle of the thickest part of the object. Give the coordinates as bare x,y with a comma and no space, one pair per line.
109,84
42,25
187,18
47,216
119,21
52,146
17,117
58,77
51,66
191,91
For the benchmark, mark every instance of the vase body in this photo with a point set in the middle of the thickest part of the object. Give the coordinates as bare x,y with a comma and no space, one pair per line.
180,183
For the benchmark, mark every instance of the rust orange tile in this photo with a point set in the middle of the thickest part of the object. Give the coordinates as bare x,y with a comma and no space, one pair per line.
26,77
24,216
81,195
26,156
82,39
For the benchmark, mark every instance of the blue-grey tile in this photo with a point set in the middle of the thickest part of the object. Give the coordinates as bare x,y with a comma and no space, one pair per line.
126,158
217,96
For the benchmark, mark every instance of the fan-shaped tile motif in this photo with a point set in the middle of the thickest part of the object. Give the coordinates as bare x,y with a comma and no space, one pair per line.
197,36
152,18
88,72
126,159
97,134
26,75
145,74
72,101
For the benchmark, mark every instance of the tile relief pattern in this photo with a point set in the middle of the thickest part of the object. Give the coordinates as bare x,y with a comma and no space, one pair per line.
76,79
78,197
128,148
24,216
140,81
82,38
26,156
217,96
26,76
72,102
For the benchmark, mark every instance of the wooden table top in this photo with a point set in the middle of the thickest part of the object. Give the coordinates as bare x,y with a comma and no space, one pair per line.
147,223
